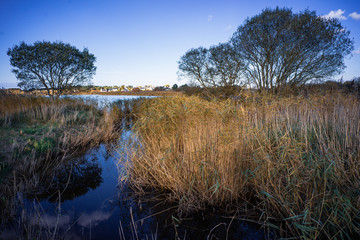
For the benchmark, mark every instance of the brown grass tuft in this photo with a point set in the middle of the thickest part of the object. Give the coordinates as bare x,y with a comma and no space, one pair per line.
293,161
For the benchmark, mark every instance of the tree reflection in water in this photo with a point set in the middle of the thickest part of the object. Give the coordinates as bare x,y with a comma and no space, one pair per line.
71,180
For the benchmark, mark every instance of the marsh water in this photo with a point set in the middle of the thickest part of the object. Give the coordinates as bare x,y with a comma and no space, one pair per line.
86,201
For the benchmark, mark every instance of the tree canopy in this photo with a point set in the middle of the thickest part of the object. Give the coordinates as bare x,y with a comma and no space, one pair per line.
218,66
282,48
55,66
194,65
273,50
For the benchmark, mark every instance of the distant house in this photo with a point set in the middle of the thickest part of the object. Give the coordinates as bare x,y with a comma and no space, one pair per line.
113,90
103,90
149,88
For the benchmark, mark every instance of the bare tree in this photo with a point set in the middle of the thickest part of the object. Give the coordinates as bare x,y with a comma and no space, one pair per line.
194,64
218,66
282,49
226,64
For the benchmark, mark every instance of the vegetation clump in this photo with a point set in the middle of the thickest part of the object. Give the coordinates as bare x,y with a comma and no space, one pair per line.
39,134
290,162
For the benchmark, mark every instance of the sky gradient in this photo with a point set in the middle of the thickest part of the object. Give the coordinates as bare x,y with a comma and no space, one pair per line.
139,42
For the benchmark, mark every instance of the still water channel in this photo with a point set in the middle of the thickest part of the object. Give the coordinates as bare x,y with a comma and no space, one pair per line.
87,202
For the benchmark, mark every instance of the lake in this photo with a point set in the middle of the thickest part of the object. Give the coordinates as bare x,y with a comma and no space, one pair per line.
105,100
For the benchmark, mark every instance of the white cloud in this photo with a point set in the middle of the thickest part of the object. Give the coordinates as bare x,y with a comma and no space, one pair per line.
355,15
338,14
210,17
93,219
357,51
229,27
50,221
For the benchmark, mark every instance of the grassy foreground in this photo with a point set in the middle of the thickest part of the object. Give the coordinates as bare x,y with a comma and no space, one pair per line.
289,163
38,134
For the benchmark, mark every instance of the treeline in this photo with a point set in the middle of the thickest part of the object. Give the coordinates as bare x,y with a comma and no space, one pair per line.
347,87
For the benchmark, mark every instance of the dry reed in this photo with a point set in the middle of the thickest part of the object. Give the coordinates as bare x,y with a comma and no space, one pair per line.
39,134
290,163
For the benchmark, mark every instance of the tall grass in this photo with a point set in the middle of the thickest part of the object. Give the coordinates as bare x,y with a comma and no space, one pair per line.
290,163
69,123
38,134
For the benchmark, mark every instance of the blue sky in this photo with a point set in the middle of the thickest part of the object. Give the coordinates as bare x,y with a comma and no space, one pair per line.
138,42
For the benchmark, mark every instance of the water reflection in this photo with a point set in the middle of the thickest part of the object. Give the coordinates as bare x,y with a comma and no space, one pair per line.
71,180
50,221
154,219
75,201
94,208
93,218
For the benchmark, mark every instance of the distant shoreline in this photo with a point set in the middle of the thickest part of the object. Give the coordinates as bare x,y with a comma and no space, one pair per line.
141,93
